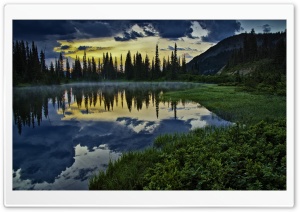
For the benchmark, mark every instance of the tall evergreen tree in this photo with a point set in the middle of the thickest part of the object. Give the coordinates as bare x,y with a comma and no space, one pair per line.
128,67
152,70
84,65
89,69
99,67
51,68
164,68
183,66
61,65
147,67
116,68
252,46
121,65
157,64
111,68
68,72
94,69
43,63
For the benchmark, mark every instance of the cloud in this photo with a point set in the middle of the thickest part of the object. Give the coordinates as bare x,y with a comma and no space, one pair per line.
172,28
64,47
188,55
171,48
190,49
266,28
40,29
76,29
149,33
189,34
36,158
133,35
91,29
80,48
173,39
219,29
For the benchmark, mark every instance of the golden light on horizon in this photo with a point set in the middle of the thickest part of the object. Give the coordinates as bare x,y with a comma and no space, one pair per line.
146,45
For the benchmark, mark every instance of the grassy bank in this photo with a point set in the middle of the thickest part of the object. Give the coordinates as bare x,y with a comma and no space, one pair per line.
234,105
235,158
241,157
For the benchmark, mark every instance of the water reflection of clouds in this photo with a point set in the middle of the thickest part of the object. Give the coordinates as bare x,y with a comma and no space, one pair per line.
38,152
76,176
138,126
74,142
72,150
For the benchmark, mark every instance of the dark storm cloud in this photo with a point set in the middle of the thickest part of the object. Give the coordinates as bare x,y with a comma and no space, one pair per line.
65,47
172,28
98,48
266,28
189,34
133,35
173,39
76,29
41,29
80,48
219,29
91,29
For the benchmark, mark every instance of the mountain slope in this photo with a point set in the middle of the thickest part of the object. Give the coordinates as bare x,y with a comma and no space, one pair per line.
216,57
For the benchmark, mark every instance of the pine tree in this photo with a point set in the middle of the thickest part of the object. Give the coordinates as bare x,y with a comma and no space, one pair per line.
128,67
89,69
84,65
116,68
183,66
157,64
43,63
111,68
94,69
121,65
152,70
147,67
99,67
252,45
68,74
56,68
61,65
164,69
51,68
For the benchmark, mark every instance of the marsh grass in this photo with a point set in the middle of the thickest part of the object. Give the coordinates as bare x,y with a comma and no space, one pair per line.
234,105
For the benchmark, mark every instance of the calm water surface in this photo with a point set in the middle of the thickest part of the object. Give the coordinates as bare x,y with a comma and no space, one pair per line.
63,135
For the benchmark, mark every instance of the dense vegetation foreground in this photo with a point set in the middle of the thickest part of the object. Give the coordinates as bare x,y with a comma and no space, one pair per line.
250,155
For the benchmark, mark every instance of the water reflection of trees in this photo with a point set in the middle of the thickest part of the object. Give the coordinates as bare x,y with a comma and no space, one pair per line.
30,106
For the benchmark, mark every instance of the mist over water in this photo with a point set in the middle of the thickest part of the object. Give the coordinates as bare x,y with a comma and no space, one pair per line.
63,135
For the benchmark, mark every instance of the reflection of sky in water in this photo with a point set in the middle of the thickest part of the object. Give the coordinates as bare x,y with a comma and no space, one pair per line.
73,144
86,163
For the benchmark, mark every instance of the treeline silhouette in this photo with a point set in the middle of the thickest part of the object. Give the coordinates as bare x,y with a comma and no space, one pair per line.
29,66
261,46
31,111
269,57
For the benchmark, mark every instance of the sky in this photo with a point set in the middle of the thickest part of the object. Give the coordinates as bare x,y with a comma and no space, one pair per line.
192,37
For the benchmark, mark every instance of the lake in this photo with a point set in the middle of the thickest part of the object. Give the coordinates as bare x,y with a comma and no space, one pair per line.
63,135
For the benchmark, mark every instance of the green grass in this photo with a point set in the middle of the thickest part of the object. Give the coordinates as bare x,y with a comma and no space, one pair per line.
233,105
